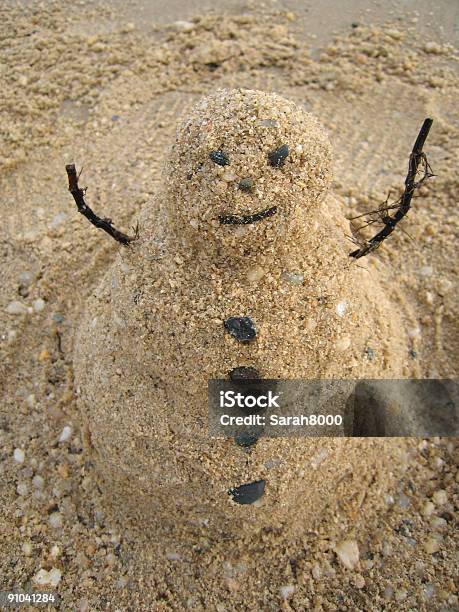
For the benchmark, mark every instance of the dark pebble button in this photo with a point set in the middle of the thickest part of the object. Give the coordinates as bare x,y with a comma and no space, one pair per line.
242,328
244,373
248,493
219,157
245,439
277,157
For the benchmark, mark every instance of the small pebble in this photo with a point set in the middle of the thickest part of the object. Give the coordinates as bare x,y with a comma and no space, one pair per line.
27,549
65,434
229,176
57,317
341,308
438,522
22,489
426,271
444,286
185,26
403,500
388,592
270,123
246,184
26,278
395,34
348,553
439,463
43,355
55,520
440,497
386,549
19,455
12,333
16,308
273,463
122,582
319,457
369,353
110,559
401,594
55,551
359,581
51,577
255,274
433,47
83,605
428,509
316,571
39,305
38,481
295,278
343,343
287,591
415,332
431,546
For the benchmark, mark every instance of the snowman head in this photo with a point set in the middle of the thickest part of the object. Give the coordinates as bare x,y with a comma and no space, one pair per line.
242,165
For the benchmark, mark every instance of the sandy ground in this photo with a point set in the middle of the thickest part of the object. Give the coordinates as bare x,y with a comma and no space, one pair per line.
104,87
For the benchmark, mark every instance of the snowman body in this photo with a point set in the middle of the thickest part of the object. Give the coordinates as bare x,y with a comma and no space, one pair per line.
242,230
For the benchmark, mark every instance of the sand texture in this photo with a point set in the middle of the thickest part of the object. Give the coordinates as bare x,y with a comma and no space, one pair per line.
106,350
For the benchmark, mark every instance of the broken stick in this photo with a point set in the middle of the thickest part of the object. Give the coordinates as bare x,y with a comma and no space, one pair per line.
102,223
417,157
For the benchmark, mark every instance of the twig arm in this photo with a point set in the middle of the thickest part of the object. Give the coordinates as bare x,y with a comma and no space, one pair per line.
103,224
403,205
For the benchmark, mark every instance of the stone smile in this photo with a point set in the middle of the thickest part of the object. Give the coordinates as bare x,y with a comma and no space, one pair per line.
247,219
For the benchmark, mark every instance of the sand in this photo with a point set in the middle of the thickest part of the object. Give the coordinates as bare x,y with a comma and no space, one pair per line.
110,101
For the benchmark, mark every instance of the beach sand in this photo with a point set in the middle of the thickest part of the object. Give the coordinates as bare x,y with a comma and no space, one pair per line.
105,89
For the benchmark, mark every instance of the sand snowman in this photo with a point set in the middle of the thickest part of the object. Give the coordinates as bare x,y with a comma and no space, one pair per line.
242,262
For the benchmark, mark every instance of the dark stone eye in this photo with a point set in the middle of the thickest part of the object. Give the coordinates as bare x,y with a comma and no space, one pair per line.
277,157
219,158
